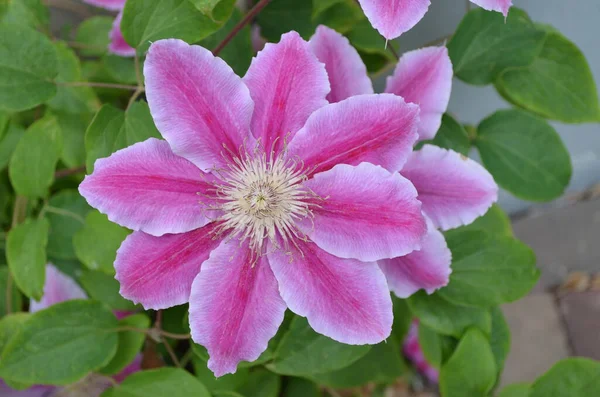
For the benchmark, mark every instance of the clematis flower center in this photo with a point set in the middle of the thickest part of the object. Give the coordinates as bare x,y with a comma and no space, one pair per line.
263,198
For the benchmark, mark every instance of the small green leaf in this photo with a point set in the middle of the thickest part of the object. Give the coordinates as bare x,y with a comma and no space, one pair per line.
573,377
144,22
76,331
558,85
102,134
9,142
130,343
447,318
524,154
382,364
431,344
298,387
471,371
66,213
139,123
281,16
92,34
34,160
452,135
500,338
16,299
484,44
261,383
163,382
104,288
121,69
72,127
516,390
302,351
26,255
97,242
488,270
494,222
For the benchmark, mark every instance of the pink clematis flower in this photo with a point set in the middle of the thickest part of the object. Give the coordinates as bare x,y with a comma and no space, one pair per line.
413,351
59,288
263,196
118,45
394,17
453,189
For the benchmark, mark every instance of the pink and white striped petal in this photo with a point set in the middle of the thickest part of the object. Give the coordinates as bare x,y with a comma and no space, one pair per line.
198,103
424,77
427,268
346,70
287,84
146,187
454,189
158,271
58,288
235,307
379,129
494,5
118,45
394,17
366,213
113,5
344,299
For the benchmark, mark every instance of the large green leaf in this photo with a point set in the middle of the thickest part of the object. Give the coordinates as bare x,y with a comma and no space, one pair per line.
9,142
227,382
54,339
452,135
524,154
447,318
488,270
298,387
144,22
217,10
102,133
499,338
471,371
573,377
342,16
130,343
261,383
66,213
32,13
104,288
302,351
558,85
139,124
15,298
26,255
494,222
516,390
484,44
163,382
281,16
9,326
32,164
28,66
370,45
92,35
72,127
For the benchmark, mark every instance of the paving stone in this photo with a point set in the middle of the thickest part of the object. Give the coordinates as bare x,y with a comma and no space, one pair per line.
538,338
581,314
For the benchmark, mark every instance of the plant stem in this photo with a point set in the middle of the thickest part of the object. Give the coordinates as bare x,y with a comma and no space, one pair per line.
93,84
134,96
172,354
60,211
390,46
69,171
247,18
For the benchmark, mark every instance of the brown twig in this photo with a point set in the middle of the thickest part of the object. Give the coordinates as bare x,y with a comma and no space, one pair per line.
69,171
247,18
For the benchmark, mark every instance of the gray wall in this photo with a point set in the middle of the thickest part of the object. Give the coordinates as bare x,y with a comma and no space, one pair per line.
579,20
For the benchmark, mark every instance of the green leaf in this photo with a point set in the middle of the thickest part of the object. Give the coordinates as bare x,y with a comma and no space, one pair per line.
33,161
471,371
558,85
10,325
573,377
104,288
382,364
226,393
102,133
227,382
484,44
201,352
524,154
97,242
402,319
4,122
121,69
144,22
320,6
16,300
92,35
281,16
500,338
431,344
163,382
298,387
139,123
66,213
488,270
447,318
130,343
370,45
302,351
494,222
9,142
26,255
31,13
342,16
261,383
239,52
452,135
72,127
217,10
76,331
516,390
28,66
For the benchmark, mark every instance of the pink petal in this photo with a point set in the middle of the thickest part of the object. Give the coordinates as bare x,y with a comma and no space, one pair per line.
58,288
344,299
118,45
287,84
135,366
34,391
235,307
394,17
454,189
198,103
428,268
367,213
146,187
113,5
380,129
346,70
424,77
158,271
494,5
